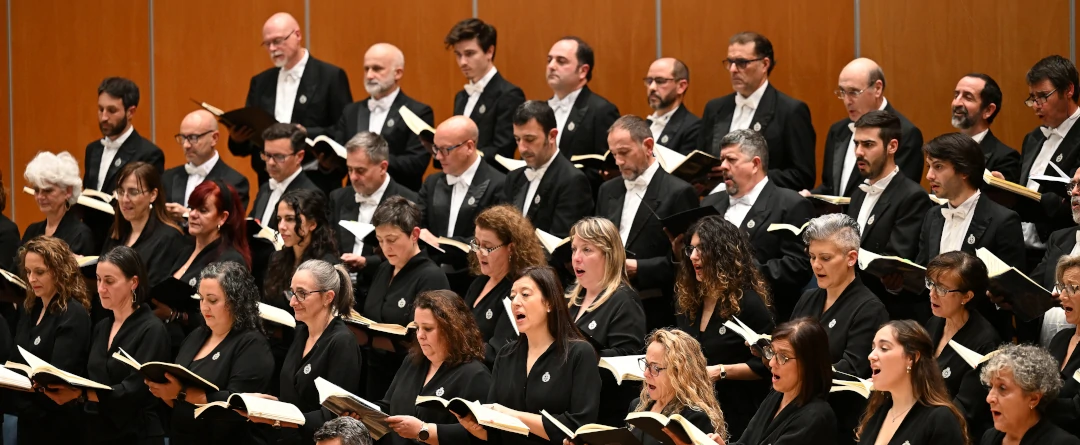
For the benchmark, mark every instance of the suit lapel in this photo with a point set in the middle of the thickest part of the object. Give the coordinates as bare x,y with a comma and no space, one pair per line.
723,122
308,83
577,114
615,205
649,203
857,199
440,212
759,212
839,152
472,200
987,145
123,155
260,203
551,176
1030,154
179,186
363,118
671,130
937,224
393,116
763,115
350,211
979,222
880,207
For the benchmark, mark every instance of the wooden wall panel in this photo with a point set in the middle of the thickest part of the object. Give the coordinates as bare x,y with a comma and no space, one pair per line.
812,42
208,50
622,34
60,53
5,129
925,46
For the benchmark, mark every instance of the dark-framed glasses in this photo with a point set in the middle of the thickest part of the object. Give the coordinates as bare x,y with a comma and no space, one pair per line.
191,139
740,64
651,368
279,158
768,353
689,250
1068,289
941,290
1039,98
278,41
660,81
301,294
485,251
445,151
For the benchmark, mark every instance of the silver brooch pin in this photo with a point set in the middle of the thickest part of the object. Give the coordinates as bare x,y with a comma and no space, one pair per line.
216,356
757,126
832,323
592,325
751,224
723,330
871,220
191,282
482,108
971,239
546,378
303,99
536,200
389,122
307,369
1058,158
570,127
946,373
37,341
472,200
118,162
401,303
489,314
663,139
439,392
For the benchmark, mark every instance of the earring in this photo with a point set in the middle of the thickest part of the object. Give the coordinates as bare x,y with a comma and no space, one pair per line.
133,297
219,227
909,370
151,206
1031,407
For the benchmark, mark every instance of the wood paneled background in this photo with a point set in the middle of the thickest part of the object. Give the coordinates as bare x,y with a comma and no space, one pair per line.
208,50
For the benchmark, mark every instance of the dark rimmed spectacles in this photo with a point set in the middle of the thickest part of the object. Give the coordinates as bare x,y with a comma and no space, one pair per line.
651,368
301,294
191,139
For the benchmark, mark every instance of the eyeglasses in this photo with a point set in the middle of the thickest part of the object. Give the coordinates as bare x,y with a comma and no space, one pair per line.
740,64
1072,187
191,139
1068,289
278,41
483,250
277,158
1039,98
768,353
689,250
651,368
660,81
128,193
941,290
435,150
301,294
840,93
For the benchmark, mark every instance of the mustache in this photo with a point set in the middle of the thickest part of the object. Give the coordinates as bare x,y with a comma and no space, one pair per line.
960,110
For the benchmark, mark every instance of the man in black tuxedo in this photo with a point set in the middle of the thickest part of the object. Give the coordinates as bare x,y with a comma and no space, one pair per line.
283,153
582,117
384,65
300,89
753,203
451,199
888,206
862,88
757,105
199,136
671,123
635,202
488,99
976,102
368,163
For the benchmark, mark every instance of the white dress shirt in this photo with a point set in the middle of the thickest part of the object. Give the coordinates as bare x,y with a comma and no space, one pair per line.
107,155
562,109
979,137
635,190
197,174
873,194
1039,165
276,190
535,176
956,225
849,156
367,210
739,207
475,89
288,82
379,109
659,123
745,107
458,190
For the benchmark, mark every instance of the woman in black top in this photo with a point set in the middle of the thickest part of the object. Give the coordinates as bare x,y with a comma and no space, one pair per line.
850,312
605,308
445,361
57,186
1066,409
549,367
127,414
323,345
717,282
230,351
505,242
955,279
909,403
1023,383
55,328
405,274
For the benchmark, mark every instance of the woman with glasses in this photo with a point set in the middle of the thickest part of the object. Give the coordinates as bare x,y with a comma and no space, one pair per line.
57,186
716,283
604,306
955,279
505,242
1066,409
1024,383
849,311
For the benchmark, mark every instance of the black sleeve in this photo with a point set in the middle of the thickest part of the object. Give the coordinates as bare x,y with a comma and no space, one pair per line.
156,158
1010,242
243,188
924,240
345,373
626,335
82,241
909,155
130,395
800,140
793,266
826,167
71,347
904,237
1009,165
503,137
584,395
944,427
757,317
9,245
251,369
971,398
476,389
340,96
245,148
659,272
865,323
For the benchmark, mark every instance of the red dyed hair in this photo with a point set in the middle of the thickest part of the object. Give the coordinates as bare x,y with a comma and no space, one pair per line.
233,230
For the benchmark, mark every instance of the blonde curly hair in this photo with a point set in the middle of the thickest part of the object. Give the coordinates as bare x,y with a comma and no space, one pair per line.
688,376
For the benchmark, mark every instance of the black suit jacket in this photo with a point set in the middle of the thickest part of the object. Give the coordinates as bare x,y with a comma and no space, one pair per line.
1061,243
485,191
408,158
134,149
585,131
785,123
666,196
494,115
322,95
681,132
895,221
1000,157
909,155
261,199
175,182
993,227
1053,212
560,199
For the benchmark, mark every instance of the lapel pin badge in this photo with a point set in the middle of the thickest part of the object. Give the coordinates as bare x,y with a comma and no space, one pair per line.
1058,158
757,126
389,122
751,224
303,99
117,163
664,139
971,239
870,221
570,127
472,200
536,200
482,108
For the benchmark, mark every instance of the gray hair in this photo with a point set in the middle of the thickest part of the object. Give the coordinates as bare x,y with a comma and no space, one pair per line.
750,142
241,294
1034,371
348,429
1065,263
373,144
875,75
55,169
838,227
635,125
330,277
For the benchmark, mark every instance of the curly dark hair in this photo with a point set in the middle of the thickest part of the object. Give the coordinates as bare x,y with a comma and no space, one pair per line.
309,205
65,273
516,232
728,262
456,326
241,294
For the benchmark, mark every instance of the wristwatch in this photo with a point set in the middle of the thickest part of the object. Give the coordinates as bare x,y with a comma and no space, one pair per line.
723,372
423,434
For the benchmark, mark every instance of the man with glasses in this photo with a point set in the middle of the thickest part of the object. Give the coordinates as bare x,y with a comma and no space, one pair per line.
671,123
451,199
976,102
862,89
283,153
300,89
759,106
198,136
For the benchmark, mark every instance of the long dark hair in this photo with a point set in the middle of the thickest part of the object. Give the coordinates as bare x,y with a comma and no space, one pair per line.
810,341
233,231
728,265
149,180
559,324
456,326
130,264
311,204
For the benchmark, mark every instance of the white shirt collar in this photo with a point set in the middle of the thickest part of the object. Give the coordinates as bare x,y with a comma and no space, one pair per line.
544,167
569,99
387,100
970,203
120,140
470,172
382,188
210,163
884,182
884,103
664,118
289,180
298,69
754,192
1064,128
487,78
755,97
648,174
979,137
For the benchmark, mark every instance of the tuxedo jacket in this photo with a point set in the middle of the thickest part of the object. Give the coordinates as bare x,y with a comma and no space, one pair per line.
320,98
785,123
408,157
909,156
666,195
681,132
134,149
263,197
1000,157
1053,212
485,191
494,116
1061,243
993,227
895,221
586,129
560,200
175,182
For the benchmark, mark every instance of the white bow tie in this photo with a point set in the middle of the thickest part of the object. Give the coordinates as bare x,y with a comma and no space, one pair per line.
659,120
292,76
1047,132
452,180
745,200
741,101
637,184
366,200
532,173
373,105
558,104
871,189
473,88
201,170
851,127
110,144
275,186
957,213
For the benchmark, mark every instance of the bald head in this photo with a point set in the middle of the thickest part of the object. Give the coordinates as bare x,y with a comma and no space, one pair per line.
862,84
665,95
198,135
455,144
458,126
282,38
384,66
200,119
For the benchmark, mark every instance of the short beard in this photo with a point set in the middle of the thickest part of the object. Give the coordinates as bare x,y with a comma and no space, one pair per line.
379,87
665,102
118,129
962,122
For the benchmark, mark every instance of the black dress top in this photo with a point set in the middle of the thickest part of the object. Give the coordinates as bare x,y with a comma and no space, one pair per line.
617,328
1066,409
128,414
62,338
738,398
240,363
697,417
923,424
490,314
212,253
334,357
811,424
1043,433
470,381
157,246
9,242
70,229
967,391
567,386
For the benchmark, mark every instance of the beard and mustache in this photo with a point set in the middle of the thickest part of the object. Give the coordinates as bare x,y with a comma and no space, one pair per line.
961,119
656,102
110,130
374,87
